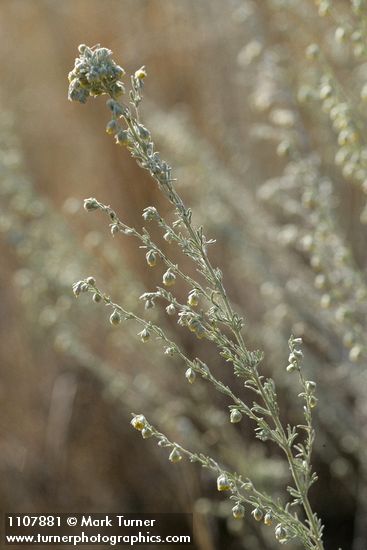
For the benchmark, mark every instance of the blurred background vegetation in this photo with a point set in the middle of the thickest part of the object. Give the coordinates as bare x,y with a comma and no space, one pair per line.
236,107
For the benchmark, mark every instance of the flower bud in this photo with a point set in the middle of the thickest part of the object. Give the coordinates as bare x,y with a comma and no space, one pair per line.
169,278
146,433
141,73
96,297
223,483
238,511
193,298
190,375
90,204
268,519
236,416
151,257
115,318
150,213
310,385
175,456
280,532
139,422
112,127
122,137
171,310
91,281
144,335
313,401
257,514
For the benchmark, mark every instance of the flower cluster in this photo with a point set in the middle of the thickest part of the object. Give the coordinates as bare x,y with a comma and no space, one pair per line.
95,73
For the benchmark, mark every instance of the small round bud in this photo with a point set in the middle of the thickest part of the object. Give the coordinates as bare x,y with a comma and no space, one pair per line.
280,532
313,401
122,137
168,236
115,318
257,514
114,229
238,511
268,518
139,422
90,204
200,331
236,416
91,281
175,456
151,257
171,310
146,433
193,298
292,367
310,386
190,375
150,213
223,483
144,335
112,127
141,73
169,278
96,297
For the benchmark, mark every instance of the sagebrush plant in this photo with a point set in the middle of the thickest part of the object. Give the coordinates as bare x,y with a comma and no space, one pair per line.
208,314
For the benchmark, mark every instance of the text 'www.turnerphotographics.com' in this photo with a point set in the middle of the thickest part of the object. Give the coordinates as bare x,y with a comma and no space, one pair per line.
113,529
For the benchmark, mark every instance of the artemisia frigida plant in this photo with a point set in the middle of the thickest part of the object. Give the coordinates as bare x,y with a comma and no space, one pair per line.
95,73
